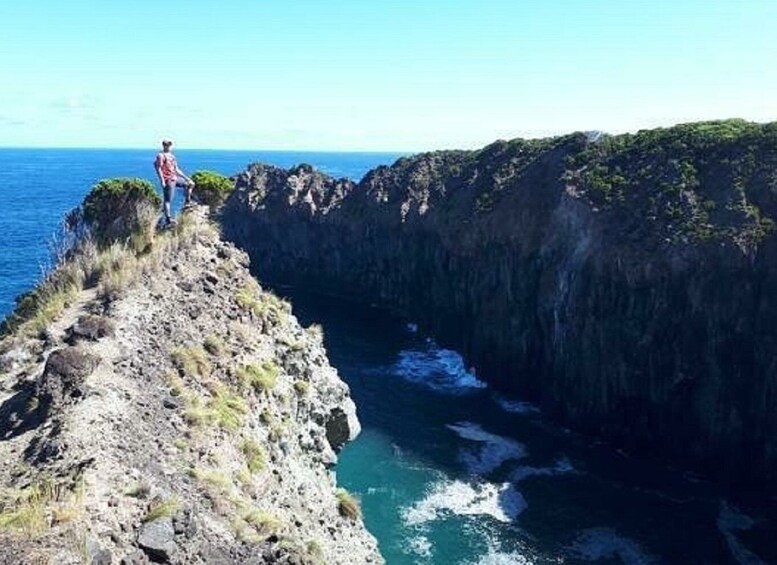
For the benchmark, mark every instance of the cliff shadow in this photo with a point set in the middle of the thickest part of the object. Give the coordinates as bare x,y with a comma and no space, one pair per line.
20,413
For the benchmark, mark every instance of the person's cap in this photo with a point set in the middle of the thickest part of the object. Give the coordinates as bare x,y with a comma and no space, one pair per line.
167,141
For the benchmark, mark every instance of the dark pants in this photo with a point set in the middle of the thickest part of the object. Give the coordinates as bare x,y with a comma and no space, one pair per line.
170,187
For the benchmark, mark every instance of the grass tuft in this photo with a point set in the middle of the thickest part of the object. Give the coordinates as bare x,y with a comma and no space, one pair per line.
259,377
228,408
192,360
348,505
162,509
139,490
213,479
214,345
262,521
197,413
246,298
255,456
34,509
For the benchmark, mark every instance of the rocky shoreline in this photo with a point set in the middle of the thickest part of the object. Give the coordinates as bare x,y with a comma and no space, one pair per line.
175,413
626,283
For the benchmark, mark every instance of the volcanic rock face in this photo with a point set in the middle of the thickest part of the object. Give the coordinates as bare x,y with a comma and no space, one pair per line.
180,416
628,283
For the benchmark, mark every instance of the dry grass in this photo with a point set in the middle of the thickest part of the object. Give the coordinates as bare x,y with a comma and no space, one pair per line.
263,521
214,345
197,413
25,511
264,305
255,526
177,386
115,282
33,510
162,509
139,490
316,331
213,479
228,408
246,298
42,306
348,505
256,459
302,387
224,409
261,378
192,360
112,268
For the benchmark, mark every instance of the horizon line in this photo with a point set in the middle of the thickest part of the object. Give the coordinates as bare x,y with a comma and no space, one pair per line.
473,147
240,150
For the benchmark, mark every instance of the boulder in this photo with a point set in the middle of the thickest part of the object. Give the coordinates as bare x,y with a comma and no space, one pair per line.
342,425
90,328
157,539
65,374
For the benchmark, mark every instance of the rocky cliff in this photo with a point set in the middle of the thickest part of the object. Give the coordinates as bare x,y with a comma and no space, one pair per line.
628,283
156,405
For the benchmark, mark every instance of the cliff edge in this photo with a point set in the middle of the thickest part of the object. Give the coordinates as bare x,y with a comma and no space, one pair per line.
625,282
157,405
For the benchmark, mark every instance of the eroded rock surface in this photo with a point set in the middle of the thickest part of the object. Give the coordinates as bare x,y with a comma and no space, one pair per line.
178,416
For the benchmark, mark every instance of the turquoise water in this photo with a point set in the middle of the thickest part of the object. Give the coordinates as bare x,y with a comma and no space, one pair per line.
448,471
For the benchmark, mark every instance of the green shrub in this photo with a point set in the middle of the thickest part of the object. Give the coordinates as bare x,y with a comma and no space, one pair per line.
118,208
212,188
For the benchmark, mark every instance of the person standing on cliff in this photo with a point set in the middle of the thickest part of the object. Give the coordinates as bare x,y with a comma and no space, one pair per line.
171,176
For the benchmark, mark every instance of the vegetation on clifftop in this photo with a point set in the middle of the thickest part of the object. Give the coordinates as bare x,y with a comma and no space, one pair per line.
700,182
107,242
212,188
118,208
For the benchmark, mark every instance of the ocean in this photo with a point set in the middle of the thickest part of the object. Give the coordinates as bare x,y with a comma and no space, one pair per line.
448,471
38,186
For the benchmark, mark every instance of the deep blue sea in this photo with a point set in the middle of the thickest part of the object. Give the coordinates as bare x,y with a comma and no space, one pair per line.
448,471
38,186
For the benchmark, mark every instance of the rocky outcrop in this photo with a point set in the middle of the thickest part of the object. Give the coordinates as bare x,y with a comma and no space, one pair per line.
175,413
627,283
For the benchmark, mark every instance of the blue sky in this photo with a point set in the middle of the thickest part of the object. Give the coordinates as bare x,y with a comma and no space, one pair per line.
375,74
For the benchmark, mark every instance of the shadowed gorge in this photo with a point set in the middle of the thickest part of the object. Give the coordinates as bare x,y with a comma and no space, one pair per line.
627,283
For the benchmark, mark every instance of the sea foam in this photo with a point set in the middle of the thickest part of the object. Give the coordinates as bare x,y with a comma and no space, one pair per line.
500,501
436,368
496,557
492,450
